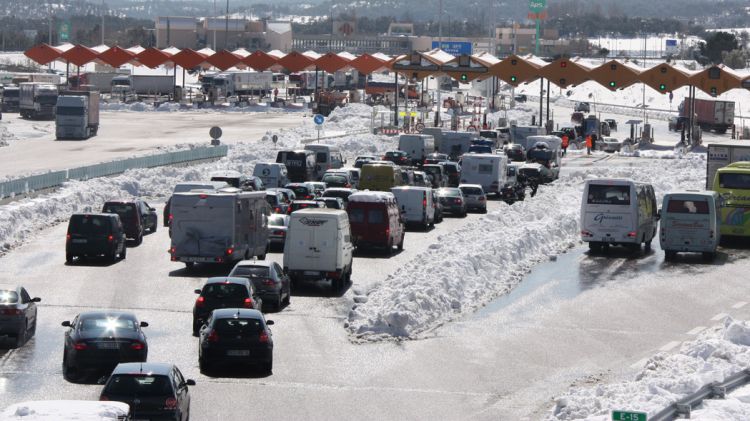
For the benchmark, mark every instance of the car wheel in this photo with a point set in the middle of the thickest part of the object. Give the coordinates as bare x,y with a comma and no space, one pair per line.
196,327
66,369
189,265
401,243
139,239
154,228
124,252
709,256
32,332
203,365
268,367
595,247
68,258
21,337
647,246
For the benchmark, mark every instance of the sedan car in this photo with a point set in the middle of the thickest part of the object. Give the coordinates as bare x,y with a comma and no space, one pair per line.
269,280
397,157
332,202
452,200
515,152
17,314
152,390
278,225
476,199
436,158
236,336
304,204
223,292
99,340
302,191
609,144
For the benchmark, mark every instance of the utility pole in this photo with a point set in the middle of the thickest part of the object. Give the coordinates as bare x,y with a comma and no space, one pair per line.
644,85
102,22
440,45
226,29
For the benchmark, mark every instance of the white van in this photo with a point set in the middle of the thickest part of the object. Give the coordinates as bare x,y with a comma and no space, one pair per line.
455,144
327,157
618,212
417,146
488,170
272,174
690,223
416,204
319,246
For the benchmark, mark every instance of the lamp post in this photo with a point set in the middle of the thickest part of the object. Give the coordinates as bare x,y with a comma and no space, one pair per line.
226,29
440,45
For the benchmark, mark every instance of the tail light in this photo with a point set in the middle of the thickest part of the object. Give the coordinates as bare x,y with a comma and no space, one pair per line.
277,210
103,398
632,234
586,233
11,312
80,346
110,238
172,250
230,251
387,232
348,186
171,217
482,198
213,336
200,302
333,275
170,403
263,338
458,201
137,346
67,237
281,233
248,303
268,282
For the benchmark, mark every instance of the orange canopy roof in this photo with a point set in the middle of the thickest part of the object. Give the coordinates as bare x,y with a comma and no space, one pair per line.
188,59
614,75
515,67
295,62
79,55
152,57
331,62
716,80
564,72
43,53
664,75
259,60
116,56
366,64
223,60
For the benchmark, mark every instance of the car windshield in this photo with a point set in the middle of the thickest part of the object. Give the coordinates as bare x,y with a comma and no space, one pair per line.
8,297
107,323
251,271
75,111
471,190
688,206
225,290
375,216
600,194
238,326
125,210
300,190
139,385
276,220
272,199
88,225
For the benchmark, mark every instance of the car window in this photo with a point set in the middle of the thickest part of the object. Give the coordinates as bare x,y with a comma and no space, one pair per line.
89,225
688,206
25,298
356,215
139,385
375,216
276,220
321,157
600,194
251,271
107,323
277,268
335,179
224,291
8,297
471,190
178,377
125,210
235,326
272,199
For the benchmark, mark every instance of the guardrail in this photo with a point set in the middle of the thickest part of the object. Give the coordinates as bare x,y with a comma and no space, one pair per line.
49,180
684,406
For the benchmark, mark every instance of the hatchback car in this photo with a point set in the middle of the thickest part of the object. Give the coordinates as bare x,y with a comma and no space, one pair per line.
136,216
337,180
223,292
278,224
236,336
269,280
453,171
17,314
302,191
99,340
304,204
476,199
332,202
94,235
397,157
452,200
515,152
152,390
276,201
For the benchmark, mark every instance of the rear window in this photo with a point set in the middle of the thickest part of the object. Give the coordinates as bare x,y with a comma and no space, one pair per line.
334,179
125,210
139,385
734,181
238,326
600,194
272,199
471,190
300,190
107,323
375,216
276,220
224,291
251,271
8,297
484,169
89,225
356,216
688,206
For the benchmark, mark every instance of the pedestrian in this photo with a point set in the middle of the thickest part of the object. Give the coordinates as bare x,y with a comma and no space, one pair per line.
565,142
275,94
588,145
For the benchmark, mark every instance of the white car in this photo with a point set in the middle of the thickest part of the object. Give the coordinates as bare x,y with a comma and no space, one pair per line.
609,144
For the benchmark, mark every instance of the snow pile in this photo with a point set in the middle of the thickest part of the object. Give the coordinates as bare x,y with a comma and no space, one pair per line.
715,355
5,135
469,267
69,410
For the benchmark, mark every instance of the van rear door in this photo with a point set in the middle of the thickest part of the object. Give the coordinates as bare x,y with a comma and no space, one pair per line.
609,213
686,221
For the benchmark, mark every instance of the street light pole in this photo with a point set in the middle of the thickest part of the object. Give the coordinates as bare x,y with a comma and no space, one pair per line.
102,22
440,45
226,29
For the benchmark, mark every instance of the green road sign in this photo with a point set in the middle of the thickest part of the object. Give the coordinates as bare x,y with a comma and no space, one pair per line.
63,32
629,416
537,6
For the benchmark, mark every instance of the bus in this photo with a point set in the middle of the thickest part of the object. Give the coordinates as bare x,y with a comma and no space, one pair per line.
733,185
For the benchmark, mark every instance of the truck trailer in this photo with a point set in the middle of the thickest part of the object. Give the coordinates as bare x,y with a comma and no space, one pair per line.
77,115
155,85
37,100
710,114
99,81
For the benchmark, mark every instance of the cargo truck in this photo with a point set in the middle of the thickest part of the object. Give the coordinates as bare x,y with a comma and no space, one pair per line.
10,99
128,85
77,115
98,81
242,83
37,100
710,114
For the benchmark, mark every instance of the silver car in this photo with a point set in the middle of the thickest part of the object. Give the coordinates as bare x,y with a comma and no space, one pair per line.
476,198
17,314
277,228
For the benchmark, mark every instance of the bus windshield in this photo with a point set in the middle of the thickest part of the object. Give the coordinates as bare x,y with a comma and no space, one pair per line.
734,181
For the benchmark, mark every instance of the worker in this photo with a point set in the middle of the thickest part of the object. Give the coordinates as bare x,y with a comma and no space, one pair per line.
565,142
589,144
275,94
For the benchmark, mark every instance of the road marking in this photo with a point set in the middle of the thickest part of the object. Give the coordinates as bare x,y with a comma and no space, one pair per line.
740,304
639,364
669,346
696,330
719,316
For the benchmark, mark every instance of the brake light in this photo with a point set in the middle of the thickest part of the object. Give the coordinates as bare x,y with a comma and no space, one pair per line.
333,275
136,346
200,302
632,234
171,217
249,303
457,201
11,312
110,238
347,185
268,282
230,250
67,236
281,233
213,336
170,403
263,338
172,250
80,346
387,232
277,210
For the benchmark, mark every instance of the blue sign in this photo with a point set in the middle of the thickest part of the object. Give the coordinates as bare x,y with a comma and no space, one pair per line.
671,43
454,47
319,119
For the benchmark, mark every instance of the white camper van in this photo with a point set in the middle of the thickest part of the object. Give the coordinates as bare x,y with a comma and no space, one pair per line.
487,170
690,223
272,174
417,146
319,246
618,212
416,204
218,227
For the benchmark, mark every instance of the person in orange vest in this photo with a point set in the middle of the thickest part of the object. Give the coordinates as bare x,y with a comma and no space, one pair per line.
589,144
565,142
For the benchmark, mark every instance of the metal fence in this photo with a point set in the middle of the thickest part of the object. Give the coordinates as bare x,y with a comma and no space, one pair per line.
33,183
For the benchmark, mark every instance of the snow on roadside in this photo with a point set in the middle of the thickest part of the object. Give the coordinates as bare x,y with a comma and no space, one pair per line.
716,354
5,135
485,258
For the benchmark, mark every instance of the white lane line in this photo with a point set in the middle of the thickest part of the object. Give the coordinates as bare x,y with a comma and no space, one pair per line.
696,330
740,304
639,364
669,346
719,316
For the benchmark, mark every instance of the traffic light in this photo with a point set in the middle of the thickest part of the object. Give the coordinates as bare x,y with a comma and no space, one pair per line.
714,91
662,87
464,77
612,84
563,64
513,79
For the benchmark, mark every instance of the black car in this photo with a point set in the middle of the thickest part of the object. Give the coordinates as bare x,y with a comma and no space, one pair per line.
136,216
341,193
223,292
397,157
453,171
515,152
302,191
99,340
236,336
17,314
94,235
438,206
154,391
336,180
452,200
269,280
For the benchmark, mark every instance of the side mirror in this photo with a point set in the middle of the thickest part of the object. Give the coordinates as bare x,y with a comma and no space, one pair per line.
190,382
36,300
197,291
269,322
144,324
65,323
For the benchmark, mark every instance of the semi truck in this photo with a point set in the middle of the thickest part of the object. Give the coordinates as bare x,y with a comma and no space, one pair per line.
77,115
242,83
99,81
37,100
16,78
10,99
127,85
710,114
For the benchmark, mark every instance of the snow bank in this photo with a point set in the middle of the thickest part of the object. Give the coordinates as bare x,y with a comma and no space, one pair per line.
471,266
715,355
65,410
176,107
5,135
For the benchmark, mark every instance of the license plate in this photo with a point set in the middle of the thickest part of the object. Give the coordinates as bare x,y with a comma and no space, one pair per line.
79,241
197,259
140,419
238,353
311,273
107,345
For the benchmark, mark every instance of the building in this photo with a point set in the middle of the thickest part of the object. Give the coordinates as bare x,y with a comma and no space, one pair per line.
217,33
176,31
279,36
232,33
355,44
517,40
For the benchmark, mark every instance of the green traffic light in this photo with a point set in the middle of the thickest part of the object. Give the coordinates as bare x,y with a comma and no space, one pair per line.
662,87
612,84
513,79
464,78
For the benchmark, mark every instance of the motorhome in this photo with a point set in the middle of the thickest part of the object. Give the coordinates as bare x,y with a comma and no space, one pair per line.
487,170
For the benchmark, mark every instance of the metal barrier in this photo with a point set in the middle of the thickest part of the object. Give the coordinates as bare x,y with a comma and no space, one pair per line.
33,183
